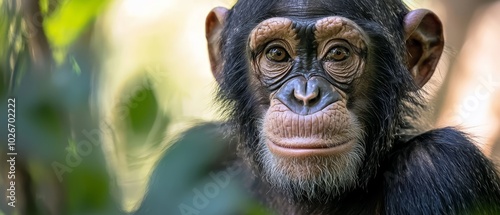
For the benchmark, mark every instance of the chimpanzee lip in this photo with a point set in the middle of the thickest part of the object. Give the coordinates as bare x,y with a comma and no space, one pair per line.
305,147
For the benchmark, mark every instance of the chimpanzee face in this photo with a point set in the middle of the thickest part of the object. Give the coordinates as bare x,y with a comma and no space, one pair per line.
305,70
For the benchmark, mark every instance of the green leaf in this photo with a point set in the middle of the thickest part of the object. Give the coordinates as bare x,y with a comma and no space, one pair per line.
75,66
44,6
144,122
68,21
71,148
142,110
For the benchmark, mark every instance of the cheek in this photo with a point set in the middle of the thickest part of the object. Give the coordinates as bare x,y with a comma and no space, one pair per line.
258,93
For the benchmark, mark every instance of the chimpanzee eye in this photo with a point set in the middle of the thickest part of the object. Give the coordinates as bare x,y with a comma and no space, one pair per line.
338,53
277,54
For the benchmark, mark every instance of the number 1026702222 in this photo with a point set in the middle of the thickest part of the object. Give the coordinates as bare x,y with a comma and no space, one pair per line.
11,127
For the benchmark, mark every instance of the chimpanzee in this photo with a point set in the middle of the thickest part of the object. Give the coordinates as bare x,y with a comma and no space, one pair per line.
325,98
324,103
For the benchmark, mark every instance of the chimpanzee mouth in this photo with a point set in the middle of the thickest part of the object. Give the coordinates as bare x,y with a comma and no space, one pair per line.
306,147
327,132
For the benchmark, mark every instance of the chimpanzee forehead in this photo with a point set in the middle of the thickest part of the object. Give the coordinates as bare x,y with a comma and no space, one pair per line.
381,11
307,33
314,9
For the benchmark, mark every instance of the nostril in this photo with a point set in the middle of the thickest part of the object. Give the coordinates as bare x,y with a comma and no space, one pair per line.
299,97
314,100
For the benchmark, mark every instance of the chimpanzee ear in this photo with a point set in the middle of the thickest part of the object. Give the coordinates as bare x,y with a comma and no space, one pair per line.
424,42
213,28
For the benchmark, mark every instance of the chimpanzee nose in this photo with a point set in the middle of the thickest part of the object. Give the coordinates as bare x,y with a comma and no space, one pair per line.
305,97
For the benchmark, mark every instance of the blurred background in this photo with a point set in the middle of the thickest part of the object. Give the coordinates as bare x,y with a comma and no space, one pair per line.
104,87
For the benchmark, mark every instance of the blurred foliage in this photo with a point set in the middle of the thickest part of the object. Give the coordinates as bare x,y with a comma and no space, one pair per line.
67,22
70,159
144,121
14,52
207,184
58,169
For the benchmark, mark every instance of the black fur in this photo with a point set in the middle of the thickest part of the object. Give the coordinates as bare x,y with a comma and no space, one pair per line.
440,172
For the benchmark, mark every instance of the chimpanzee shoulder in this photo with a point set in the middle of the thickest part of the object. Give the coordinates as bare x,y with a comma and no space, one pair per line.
440,172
